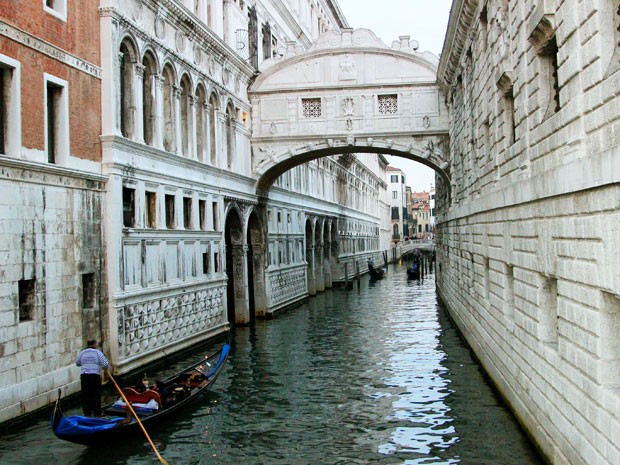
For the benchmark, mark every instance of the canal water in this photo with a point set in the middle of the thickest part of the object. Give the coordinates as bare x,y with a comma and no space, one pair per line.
374,375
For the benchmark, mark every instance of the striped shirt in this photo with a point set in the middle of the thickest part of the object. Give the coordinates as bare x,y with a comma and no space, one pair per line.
91,361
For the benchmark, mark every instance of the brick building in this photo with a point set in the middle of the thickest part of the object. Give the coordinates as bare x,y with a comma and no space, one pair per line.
50,195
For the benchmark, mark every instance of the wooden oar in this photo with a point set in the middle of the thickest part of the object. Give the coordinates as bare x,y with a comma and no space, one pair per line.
135,415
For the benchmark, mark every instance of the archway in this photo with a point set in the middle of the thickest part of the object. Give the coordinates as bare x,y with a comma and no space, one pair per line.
327,255
236,272
319,275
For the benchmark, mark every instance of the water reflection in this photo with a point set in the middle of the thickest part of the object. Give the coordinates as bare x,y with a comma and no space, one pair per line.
372,375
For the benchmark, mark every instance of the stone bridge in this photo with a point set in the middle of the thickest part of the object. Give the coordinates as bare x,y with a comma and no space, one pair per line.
349,93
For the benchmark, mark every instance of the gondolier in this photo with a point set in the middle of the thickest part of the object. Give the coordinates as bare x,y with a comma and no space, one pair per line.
91,361
180,389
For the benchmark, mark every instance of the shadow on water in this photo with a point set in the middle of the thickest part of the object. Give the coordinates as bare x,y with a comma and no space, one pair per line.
375,375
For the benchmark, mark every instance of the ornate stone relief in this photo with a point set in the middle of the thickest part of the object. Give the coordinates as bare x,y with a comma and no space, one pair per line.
265,154
148,326
286,285
179,41
211,65
160,27
347,68
198,54
136,11
348,106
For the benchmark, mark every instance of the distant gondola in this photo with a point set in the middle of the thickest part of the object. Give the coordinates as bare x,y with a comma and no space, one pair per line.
413,272
179,390
375,273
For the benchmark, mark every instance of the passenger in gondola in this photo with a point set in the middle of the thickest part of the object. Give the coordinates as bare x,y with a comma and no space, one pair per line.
142,385
160,387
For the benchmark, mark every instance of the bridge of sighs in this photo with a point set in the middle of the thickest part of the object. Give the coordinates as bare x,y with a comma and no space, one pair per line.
350,93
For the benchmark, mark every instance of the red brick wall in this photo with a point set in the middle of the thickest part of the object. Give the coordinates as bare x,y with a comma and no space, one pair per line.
79,35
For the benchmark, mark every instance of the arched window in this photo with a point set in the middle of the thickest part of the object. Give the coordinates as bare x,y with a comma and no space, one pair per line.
213,107
126,89
200,124
186,114
230,135
168,101
148,96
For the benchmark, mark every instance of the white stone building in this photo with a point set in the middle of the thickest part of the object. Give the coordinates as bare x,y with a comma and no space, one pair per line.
158,239
528,239
190,245
396,198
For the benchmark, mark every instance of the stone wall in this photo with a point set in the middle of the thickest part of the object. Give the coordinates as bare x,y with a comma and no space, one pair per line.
528,238
51,280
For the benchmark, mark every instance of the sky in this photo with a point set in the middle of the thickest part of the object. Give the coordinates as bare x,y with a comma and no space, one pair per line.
423,20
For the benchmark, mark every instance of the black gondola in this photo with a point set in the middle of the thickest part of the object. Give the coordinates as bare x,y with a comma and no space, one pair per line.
413,272
178,390
375,273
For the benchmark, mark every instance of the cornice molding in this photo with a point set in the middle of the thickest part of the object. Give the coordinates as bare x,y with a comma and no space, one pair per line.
462,19
52,169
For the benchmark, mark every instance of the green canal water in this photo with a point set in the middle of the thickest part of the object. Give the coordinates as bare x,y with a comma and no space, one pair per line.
373,375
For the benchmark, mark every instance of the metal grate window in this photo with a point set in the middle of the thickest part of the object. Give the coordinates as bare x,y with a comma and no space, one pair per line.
311,107
388,104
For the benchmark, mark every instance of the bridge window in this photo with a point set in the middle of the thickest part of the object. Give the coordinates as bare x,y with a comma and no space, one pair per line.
311,107
388,104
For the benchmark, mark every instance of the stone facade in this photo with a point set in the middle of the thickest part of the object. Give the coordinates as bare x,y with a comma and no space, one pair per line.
52,283
159,206
528,229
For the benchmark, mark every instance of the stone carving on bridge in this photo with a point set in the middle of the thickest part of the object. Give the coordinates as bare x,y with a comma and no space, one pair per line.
348,106
267,156
347,68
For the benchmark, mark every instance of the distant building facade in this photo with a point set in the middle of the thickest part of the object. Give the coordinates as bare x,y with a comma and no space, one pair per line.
397,200
420,214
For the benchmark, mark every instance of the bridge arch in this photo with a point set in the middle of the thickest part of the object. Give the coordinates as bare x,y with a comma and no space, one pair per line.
349,93
295,156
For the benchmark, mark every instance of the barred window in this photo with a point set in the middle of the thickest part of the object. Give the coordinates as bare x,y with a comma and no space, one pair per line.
388,104
311,107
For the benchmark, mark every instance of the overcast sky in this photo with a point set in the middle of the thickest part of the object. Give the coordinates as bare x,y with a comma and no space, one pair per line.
422,20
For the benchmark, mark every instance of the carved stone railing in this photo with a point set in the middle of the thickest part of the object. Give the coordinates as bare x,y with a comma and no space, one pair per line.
154,324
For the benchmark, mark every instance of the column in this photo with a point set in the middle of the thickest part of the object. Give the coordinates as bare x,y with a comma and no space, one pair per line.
158,110
319,273
137,107
311,271
177,146
191,127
